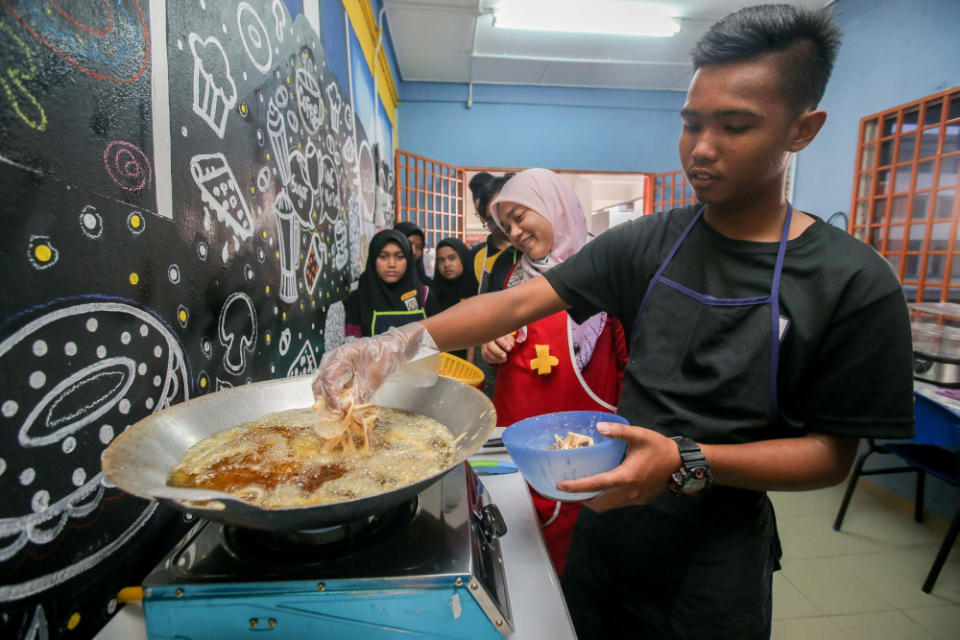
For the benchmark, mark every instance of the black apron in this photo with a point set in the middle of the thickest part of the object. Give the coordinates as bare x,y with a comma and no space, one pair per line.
383,320
692,566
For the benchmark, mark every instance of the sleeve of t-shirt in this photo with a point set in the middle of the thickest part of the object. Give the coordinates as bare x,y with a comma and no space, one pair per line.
592,279
862,384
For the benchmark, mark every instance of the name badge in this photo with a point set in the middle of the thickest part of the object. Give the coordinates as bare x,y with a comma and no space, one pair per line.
410,300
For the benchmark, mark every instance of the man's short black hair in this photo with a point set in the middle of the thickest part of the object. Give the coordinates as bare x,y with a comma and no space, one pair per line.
490,192
478,182
806,39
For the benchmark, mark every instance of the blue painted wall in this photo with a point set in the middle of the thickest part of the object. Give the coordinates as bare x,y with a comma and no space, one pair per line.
894,51
554,127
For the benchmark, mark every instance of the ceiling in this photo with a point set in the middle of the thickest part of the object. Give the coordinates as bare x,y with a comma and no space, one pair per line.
455,41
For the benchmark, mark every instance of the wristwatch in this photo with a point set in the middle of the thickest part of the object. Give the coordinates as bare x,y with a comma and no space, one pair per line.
694,474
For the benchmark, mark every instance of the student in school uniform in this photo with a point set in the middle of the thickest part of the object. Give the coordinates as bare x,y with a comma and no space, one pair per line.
389,293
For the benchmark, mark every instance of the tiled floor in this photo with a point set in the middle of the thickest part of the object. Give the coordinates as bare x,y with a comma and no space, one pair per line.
863,582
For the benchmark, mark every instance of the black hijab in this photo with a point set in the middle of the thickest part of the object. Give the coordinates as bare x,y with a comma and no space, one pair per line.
373,294
411,229
450,292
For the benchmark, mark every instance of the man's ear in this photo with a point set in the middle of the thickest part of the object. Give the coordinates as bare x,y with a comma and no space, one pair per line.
805,128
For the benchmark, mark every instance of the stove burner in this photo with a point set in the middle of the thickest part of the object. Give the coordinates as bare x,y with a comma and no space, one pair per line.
316,546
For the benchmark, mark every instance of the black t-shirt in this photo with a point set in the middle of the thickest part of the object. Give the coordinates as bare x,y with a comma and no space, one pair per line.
846,359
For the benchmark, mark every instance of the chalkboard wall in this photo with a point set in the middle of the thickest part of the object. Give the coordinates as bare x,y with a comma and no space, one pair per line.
186,197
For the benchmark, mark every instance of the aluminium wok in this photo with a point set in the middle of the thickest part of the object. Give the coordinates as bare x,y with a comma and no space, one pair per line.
139,461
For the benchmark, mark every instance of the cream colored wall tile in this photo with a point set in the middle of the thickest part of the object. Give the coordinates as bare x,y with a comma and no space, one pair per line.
788,602
942,623
888,625
805,629
831,587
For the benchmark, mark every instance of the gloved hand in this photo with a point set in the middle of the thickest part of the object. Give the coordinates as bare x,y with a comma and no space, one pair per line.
365,364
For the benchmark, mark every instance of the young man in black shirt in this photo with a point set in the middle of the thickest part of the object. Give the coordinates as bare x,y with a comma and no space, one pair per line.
494,258
763,344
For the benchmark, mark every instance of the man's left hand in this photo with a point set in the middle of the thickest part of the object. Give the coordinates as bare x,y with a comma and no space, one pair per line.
642,476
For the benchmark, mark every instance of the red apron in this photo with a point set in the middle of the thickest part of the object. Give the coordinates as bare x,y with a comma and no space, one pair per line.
541,376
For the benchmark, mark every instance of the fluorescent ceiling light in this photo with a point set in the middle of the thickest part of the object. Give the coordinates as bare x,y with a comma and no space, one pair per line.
619,17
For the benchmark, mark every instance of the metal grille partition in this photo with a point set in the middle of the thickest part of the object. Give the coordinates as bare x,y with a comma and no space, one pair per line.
905,192
429,193
670,190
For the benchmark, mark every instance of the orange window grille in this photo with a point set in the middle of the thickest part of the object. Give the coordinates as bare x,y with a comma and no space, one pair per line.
670,190
905,191
429,193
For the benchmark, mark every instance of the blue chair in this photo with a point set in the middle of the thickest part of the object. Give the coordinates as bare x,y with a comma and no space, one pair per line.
934,450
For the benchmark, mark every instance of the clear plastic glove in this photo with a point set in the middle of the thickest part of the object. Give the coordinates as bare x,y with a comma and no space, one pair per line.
365,364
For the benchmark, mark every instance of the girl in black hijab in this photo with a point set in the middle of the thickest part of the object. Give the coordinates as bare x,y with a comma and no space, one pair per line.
389,293
417,241
454,279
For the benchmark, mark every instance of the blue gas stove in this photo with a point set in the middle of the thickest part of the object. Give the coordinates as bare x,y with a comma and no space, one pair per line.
429,568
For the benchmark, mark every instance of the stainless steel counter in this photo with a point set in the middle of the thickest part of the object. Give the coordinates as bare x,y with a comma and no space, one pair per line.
537,604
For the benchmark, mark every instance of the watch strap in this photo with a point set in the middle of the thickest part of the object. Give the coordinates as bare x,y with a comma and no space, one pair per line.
694,473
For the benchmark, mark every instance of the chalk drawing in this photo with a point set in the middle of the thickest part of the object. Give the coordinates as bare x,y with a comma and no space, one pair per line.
14,79
263,179
358,242
117,52
288,236
12,592
281,95
350,150
309,101
221,193
41,253
340,243
305,362
334,326
127,165
237,331
91,224
330,191
284,344
336,103
300,189
316,259
38,625
279,17
293,124
47,414
368,181
314,166
214,91
277,132
256,41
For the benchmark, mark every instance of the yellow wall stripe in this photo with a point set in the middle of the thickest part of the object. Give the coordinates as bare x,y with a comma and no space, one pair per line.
364,24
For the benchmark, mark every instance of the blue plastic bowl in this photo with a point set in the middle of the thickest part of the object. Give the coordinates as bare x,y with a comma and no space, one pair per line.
528,443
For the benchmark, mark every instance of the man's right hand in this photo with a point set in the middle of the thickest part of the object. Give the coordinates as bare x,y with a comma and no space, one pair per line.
364,365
